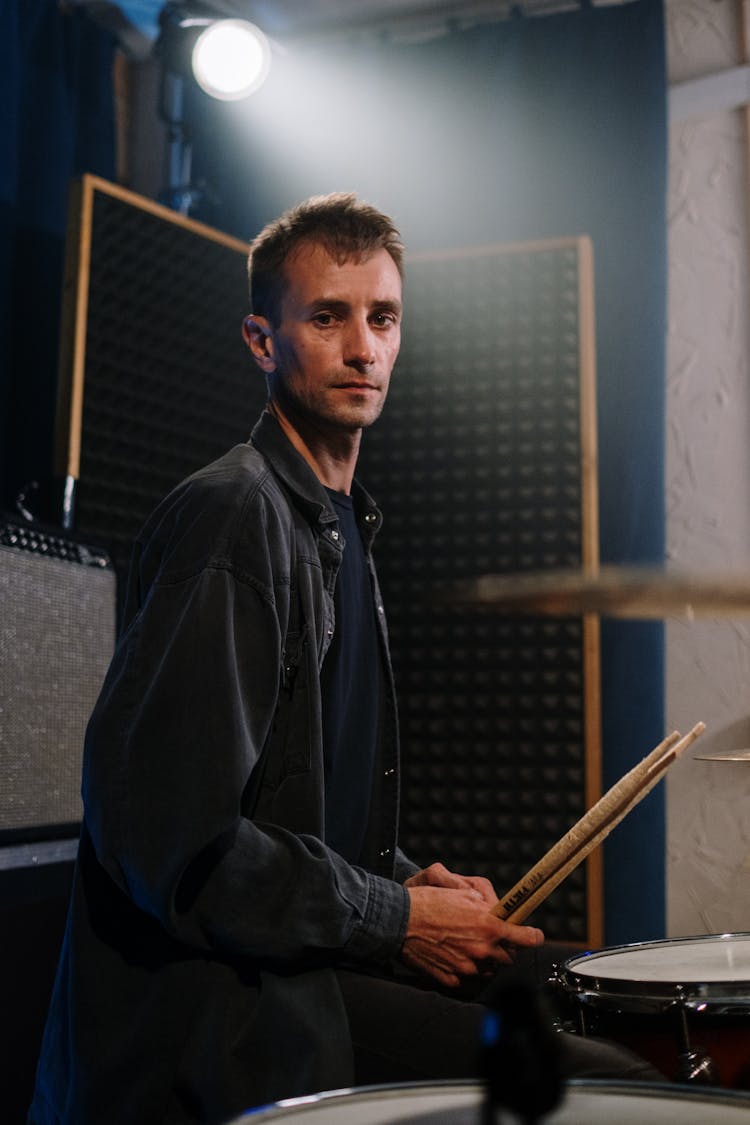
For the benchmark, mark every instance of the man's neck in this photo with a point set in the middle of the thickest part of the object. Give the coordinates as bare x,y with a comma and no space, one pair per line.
331,454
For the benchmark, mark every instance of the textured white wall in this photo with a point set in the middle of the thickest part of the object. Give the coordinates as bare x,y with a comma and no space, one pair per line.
708,477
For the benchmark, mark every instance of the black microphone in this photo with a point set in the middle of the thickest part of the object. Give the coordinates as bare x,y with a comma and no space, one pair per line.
520,1052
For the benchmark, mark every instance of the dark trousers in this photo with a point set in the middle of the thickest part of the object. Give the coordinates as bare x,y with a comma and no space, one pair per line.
405,1029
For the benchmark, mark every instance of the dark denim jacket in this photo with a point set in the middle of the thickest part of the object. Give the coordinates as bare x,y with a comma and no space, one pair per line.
208,915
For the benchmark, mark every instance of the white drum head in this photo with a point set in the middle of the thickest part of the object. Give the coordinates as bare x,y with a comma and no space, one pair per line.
701,972
713,959
460,1104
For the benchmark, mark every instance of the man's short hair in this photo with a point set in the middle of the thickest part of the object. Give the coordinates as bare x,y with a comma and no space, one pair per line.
344,225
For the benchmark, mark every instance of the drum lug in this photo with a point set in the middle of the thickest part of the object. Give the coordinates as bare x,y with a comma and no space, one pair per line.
698,1067
564,1019
693,1065
561,1025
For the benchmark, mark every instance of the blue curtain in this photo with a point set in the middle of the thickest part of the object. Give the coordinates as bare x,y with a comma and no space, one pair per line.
519,130
58,121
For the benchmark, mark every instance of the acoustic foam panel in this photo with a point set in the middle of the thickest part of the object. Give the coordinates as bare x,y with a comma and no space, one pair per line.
485,460
155,380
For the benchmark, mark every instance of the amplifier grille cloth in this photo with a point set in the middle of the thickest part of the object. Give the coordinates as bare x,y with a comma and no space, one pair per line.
56,639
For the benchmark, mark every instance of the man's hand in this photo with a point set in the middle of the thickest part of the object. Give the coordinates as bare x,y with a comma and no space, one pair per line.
439,876
451,933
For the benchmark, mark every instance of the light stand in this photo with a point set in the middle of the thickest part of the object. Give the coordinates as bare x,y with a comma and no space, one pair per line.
227,58
180,193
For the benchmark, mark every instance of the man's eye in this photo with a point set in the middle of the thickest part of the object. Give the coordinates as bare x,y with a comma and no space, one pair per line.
324,319
382,319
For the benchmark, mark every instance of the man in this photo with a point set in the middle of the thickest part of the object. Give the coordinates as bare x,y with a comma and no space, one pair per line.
239,891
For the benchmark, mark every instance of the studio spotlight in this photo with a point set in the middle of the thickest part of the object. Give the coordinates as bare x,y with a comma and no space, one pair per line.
231,59
227,59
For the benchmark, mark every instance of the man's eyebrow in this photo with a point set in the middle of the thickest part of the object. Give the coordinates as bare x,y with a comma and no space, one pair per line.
389,306
340,305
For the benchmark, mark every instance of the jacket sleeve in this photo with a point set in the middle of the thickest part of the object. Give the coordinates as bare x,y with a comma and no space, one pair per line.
172,747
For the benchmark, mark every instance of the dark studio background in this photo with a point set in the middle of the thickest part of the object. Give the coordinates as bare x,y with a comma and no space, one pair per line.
522,129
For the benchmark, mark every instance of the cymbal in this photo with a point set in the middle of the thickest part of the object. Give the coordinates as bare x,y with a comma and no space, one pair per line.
611,591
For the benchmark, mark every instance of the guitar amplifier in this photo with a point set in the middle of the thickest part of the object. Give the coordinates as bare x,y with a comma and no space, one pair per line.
57,632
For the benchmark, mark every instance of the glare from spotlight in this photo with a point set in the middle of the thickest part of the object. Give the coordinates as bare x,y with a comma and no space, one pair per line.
231,59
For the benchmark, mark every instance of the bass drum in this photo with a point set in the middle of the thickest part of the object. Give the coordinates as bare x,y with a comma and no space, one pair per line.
449,1103
683,1004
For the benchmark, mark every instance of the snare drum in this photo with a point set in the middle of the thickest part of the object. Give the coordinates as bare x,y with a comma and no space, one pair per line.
448,1103
683,1004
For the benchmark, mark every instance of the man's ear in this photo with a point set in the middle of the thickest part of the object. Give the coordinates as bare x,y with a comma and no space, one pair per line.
258,335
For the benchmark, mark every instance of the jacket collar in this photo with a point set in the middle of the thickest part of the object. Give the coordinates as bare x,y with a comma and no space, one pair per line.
293,470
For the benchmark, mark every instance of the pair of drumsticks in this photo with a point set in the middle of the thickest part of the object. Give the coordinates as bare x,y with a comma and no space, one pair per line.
592,828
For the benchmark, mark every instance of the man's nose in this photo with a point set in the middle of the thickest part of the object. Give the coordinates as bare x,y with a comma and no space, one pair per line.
360,345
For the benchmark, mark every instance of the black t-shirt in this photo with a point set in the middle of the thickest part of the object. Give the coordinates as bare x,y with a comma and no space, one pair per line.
350,684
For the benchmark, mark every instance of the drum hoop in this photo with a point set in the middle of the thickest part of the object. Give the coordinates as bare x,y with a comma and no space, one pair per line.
692,994
712,1096
357,1093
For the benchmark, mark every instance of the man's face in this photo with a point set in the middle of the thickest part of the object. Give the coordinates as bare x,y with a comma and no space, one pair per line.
339,331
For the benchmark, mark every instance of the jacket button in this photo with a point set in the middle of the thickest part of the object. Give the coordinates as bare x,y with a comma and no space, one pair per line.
335,535
370,517
385,853
389,772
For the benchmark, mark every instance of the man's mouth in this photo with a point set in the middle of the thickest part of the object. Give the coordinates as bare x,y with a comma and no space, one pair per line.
355,385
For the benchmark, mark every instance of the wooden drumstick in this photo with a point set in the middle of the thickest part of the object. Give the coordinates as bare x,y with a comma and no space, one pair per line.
592,828
560,852
545,889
